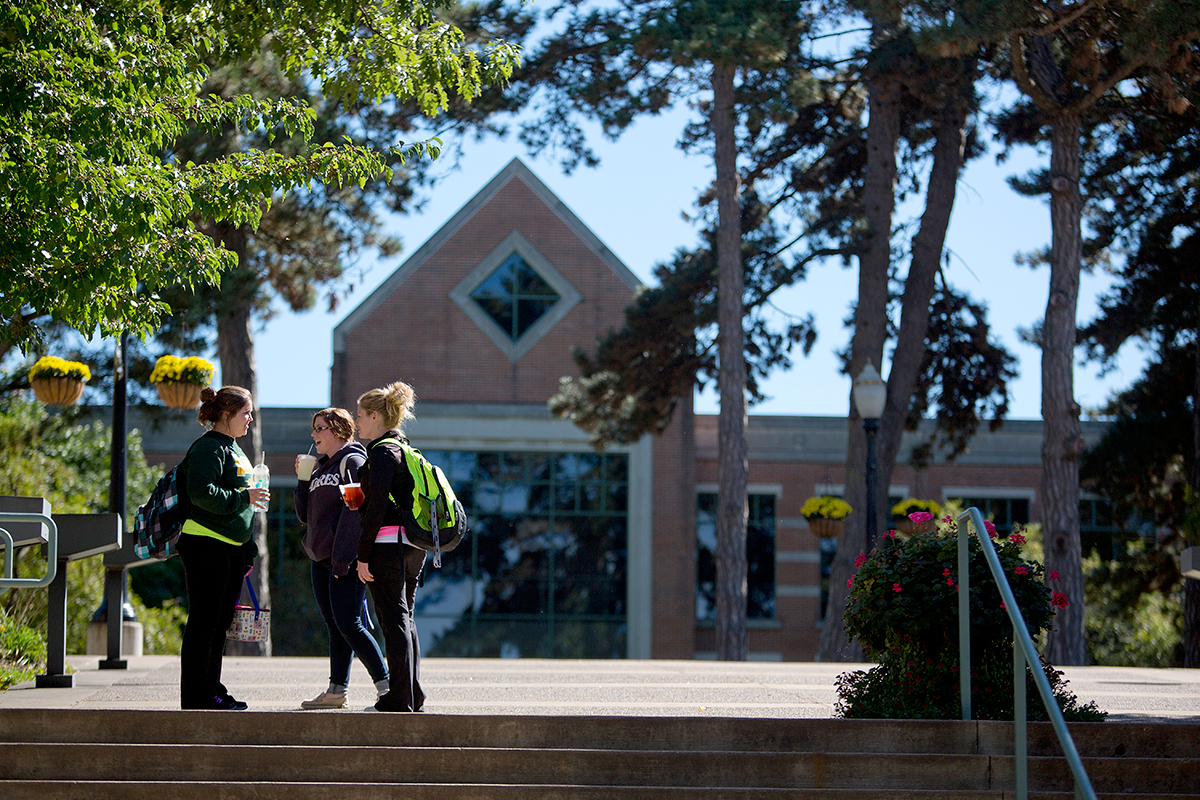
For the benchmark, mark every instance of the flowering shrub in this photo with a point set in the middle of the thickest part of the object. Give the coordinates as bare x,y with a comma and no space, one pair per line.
903,607
51,367
825,507
192,369
906,507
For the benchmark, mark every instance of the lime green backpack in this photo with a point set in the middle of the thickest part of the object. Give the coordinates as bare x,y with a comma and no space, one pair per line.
433,518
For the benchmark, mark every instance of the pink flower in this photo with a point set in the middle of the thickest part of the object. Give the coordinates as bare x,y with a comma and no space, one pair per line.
949,578
920,516
1003,607
1053,575
1021,571
860,560
1016,538
990,528
896,587
1059,600
849,583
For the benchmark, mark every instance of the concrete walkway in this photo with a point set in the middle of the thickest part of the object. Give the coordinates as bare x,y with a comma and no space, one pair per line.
556,687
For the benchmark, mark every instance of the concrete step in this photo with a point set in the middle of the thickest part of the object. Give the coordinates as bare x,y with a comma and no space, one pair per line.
319,728
158,790
594,767
116,790
491,765
94,753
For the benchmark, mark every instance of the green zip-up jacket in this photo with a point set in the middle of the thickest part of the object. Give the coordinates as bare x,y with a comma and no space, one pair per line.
217,477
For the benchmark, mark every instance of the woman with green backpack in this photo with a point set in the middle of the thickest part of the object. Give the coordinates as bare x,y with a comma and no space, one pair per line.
387,562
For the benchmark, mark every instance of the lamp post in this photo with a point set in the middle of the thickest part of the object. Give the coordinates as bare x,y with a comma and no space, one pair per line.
870,396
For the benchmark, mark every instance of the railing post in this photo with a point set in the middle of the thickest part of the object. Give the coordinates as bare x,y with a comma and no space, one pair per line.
964,623
1020,742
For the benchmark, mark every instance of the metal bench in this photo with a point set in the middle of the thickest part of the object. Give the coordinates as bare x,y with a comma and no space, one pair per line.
64,538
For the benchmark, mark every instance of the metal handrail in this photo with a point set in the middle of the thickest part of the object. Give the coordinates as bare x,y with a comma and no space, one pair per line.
1023,653
9,546
8,581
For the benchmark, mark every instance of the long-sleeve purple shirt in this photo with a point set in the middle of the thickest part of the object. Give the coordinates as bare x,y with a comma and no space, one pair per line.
333,530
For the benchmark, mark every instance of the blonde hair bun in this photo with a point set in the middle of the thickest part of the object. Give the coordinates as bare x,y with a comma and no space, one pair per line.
394,403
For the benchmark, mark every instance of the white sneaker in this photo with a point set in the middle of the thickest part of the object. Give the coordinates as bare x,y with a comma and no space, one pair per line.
325,700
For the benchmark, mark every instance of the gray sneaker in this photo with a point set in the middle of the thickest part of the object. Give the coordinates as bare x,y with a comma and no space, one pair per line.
325,700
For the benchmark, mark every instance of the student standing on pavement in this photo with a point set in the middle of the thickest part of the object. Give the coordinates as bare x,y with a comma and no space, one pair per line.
331,541
386,561
216,544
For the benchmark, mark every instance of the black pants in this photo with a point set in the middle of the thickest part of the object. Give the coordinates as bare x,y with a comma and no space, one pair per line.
395,569
214,572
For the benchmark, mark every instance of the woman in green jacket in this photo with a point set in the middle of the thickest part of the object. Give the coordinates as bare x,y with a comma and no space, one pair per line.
216,545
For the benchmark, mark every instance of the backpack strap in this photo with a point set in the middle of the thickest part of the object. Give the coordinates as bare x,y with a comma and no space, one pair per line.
404,446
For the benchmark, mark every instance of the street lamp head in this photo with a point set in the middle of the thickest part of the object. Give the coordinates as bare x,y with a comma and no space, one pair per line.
870,392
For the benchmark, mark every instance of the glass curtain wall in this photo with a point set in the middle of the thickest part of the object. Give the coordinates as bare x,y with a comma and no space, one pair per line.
543,571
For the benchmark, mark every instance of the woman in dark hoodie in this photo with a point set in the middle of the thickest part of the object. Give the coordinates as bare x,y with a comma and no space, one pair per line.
331,541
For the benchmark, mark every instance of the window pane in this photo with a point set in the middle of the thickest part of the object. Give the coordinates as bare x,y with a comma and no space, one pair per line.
760,557
589,576
706,556
529,312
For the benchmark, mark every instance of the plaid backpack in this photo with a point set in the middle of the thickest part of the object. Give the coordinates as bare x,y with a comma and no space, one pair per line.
159,522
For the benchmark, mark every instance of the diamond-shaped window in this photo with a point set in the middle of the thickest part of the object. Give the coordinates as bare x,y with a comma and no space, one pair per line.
515,296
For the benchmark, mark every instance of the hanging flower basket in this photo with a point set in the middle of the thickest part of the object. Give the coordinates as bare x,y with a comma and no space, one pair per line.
826,515
178,395
179,380
826,528
57,382
57,391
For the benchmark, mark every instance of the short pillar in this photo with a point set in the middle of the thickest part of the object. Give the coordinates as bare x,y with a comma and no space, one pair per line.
56,676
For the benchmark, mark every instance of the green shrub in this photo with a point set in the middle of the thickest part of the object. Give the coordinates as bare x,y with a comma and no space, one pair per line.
22,651
903,607
1134,613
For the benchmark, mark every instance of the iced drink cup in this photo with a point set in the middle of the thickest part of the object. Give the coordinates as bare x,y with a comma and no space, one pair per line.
353,495
305,464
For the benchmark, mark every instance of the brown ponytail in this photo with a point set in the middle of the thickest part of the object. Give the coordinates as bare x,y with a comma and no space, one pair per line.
216,406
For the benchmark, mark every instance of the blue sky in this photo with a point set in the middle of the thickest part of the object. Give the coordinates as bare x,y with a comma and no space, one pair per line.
635,201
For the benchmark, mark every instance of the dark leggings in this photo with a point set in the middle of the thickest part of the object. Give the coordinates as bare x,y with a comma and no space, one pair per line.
341,604
396,568
214,571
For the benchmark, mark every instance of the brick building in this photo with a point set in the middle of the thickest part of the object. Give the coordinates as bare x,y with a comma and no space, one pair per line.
575,553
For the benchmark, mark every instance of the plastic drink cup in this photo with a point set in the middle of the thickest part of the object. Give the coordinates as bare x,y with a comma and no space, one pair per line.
353,495
305,465
260,478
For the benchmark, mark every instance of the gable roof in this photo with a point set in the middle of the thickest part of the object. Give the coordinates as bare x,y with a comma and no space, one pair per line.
515,170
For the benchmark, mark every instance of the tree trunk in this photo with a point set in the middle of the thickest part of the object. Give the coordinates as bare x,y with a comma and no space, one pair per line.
870,333
1191,586
1062,441
731,589
927,248
235,349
